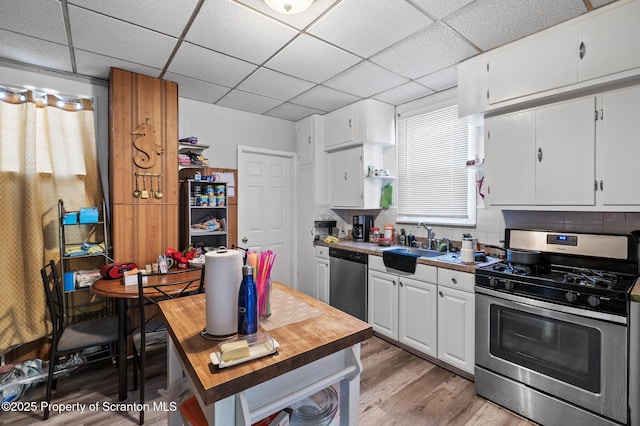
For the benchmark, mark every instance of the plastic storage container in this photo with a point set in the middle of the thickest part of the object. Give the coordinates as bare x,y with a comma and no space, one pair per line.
317,409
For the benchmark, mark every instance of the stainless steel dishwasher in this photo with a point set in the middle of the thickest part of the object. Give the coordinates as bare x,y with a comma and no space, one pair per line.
348,282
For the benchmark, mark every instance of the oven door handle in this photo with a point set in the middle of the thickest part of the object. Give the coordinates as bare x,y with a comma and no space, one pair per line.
618,319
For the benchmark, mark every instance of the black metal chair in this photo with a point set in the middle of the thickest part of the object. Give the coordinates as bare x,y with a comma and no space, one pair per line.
69,339
158,287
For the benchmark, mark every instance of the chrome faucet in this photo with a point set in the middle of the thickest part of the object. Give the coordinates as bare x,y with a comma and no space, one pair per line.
448,241
429,234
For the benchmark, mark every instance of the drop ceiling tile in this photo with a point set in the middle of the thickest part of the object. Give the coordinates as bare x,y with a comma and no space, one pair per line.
493,23
34,51
365,79
440,80
298,20
108,36
244,101
168,18
234,30
204,64
197,89
439,9
429,50
404,93
291,112
324,99
311,59
366,27
274,85
36,18
98,66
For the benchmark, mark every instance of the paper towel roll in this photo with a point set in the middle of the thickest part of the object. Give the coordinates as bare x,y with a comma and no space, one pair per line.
223,274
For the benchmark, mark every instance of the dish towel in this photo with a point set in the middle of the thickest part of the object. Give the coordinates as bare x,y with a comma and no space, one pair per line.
387,196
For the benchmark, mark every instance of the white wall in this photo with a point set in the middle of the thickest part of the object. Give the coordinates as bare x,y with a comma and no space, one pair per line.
223,129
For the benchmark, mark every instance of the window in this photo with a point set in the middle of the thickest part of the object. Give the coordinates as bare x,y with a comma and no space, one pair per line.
434,183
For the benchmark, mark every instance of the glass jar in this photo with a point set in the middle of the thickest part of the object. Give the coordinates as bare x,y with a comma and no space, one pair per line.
374,235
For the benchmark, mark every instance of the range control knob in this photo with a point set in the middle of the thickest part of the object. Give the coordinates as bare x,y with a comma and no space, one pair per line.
571,296
508,285
493,281
593,301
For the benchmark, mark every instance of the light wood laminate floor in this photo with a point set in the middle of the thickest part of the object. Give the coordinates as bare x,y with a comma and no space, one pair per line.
397,388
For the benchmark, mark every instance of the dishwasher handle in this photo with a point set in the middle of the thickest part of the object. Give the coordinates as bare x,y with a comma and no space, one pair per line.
349,255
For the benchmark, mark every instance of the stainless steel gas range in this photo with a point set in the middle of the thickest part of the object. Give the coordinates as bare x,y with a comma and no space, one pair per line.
552,335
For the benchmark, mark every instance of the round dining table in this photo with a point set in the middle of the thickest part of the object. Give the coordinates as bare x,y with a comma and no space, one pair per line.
115,289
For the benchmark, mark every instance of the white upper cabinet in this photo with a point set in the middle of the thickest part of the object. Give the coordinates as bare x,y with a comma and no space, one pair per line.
536,64
609,43
305,140
619,148
509,149
565,153
590,52
349,186
367,121
542,156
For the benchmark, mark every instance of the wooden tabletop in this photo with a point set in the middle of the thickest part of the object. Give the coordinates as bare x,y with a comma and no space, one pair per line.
116,288
326,331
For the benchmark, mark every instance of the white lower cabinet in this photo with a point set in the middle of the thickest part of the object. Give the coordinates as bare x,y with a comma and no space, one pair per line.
321,273
402,306
431,311
456,319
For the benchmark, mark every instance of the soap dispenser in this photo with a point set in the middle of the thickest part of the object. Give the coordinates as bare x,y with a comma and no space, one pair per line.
403,237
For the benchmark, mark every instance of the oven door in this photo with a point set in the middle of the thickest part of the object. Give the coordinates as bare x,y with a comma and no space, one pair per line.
572,357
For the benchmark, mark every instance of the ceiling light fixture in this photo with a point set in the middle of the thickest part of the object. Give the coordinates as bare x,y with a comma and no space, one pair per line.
289,7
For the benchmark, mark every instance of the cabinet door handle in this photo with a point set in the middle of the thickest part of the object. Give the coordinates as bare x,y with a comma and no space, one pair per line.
540,155
601,186
394,282
595,188
349,123
453,280
400,283
309,140
345,176
440,294
582,50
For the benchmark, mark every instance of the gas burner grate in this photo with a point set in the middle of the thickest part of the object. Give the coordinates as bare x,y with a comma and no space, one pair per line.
518,268
590,278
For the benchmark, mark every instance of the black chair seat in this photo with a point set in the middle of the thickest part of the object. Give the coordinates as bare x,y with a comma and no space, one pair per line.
88,333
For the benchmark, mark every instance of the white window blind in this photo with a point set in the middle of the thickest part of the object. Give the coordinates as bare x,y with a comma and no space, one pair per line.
433,180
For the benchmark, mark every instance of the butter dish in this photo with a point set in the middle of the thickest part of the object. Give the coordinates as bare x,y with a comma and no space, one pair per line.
243,348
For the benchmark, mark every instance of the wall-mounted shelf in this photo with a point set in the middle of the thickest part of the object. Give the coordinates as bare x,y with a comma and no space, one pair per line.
184,147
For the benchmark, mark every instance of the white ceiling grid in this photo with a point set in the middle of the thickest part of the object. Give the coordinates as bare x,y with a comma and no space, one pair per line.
241,54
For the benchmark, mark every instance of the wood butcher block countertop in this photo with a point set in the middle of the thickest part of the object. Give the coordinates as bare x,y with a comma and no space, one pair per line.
305,328
375,250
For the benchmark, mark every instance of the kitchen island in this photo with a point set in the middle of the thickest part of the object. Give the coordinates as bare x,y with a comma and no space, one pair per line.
318,347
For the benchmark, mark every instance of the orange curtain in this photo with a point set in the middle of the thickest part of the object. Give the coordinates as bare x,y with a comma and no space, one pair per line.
47,152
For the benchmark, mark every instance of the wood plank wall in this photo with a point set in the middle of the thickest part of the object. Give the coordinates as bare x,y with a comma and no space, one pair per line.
142,228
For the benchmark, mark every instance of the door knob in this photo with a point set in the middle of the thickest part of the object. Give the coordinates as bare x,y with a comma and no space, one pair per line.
245,239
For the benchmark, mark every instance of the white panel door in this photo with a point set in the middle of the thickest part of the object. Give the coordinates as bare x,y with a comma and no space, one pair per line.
383,303
322,279
620,150
417,312
265,206
509,159
456,328
610,41
565,153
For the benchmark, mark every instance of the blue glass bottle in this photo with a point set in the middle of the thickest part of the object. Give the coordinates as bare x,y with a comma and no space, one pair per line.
247,303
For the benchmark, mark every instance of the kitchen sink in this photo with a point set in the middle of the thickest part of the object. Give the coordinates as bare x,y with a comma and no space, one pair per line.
417,252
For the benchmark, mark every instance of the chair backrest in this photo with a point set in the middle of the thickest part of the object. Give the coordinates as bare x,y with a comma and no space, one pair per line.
53,292
153,288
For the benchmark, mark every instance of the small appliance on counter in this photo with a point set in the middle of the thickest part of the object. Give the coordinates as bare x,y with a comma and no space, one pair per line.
324,228
362,228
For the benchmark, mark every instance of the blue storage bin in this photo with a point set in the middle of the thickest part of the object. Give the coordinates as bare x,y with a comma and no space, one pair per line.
69,281
89,215
70,218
